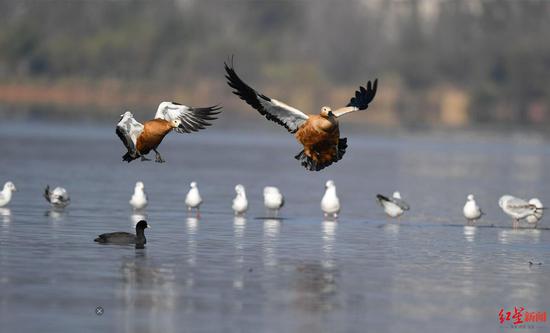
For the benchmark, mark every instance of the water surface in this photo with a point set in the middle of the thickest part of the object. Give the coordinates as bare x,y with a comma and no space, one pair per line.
425,273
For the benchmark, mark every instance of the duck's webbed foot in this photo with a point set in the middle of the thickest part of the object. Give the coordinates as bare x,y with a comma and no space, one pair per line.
158,158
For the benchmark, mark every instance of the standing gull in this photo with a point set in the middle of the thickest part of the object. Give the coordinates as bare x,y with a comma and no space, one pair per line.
471,210
6,193
139,139
394,206
517,208
240,204
273,200
139,198
539,213
193,200
318,134
330,204
58,198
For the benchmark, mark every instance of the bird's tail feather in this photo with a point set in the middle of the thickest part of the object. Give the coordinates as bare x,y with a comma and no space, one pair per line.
129,157
316,165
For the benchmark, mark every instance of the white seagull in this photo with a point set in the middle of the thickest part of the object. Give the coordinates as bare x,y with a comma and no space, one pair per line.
330,204
393,206
139,198
5,195
539,213
471,210
273,200
240,204
517,208
58,198
193,198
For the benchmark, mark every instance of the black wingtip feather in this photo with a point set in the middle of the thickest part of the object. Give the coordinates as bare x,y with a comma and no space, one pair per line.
364,96
381,198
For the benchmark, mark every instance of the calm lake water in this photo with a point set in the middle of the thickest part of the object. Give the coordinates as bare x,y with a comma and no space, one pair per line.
427,273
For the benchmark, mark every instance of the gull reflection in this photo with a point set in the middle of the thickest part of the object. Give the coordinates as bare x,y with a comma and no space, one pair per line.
271,235
239,224
5,213
391,229
519,235
56,215
470,233
137,216
329,235
149,290
192,224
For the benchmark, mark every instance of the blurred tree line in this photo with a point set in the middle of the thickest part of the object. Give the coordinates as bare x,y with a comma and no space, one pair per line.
490,57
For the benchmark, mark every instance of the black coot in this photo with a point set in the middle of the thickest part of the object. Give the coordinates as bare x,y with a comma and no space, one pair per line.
124,238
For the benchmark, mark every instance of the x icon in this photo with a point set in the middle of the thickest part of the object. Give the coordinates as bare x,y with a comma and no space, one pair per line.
99,311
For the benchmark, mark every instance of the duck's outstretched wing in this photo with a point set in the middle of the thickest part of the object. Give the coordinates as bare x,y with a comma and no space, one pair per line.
274,110
361,99
128,130
192,118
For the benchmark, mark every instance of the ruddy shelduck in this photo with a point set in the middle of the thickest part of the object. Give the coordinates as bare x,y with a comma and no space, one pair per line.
140,139
319,134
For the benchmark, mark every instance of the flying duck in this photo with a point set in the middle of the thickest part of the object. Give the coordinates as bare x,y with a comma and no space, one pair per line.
318,134
5,194
393,206
139,198
330,204
140,139
58,198
125,238
471,210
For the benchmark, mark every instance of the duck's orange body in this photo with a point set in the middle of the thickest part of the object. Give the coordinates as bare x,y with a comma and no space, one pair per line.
320,136
153,132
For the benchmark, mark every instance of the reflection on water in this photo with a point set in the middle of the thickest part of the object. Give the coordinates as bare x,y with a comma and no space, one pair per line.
271,235
5,213
56,215
239,224
392,229
192,224
222,273
138,216
470,233
149,290
509,236
329,235
315,287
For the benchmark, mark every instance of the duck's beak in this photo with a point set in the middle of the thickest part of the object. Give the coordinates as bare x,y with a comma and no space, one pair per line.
330,114
149,227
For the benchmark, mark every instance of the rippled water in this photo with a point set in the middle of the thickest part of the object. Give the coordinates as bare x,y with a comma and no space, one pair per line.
426,273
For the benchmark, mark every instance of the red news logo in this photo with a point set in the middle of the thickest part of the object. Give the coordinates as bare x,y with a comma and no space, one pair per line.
519,318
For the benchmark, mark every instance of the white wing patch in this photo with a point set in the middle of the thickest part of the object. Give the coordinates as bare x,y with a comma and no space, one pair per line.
192,118
128,130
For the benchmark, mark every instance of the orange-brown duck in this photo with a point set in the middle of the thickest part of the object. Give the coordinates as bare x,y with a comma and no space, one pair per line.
140,139
318,134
